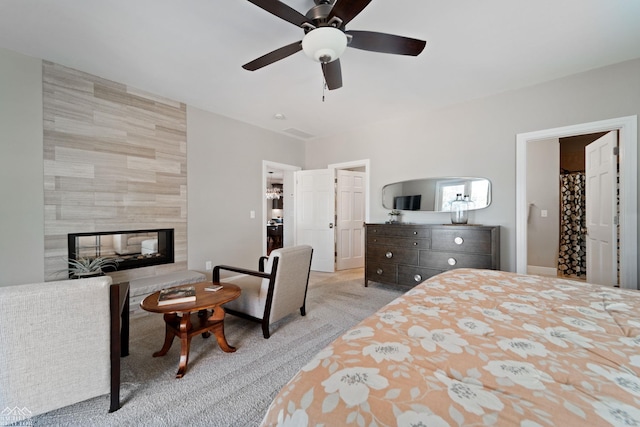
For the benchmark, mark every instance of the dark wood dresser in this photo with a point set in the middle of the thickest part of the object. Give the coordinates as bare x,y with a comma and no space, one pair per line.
407,254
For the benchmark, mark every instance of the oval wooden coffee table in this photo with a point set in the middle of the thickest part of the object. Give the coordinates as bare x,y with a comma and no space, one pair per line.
188,319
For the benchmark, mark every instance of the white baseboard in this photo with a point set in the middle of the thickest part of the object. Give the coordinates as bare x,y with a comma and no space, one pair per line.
542,271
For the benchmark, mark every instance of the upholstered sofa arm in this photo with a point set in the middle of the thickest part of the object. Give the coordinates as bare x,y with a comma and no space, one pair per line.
55,347
217,268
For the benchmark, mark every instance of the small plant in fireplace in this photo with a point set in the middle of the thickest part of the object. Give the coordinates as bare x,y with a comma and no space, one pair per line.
83,267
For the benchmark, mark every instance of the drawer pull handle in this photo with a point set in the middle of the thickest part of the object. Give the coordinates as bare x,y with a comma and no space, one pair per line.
417,278
458,240
415,243
389,254
452,261
415,232
379,271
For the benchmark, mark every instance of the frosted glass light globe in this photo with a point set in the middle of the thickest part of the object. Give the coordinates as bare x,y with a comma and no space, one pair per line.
324,44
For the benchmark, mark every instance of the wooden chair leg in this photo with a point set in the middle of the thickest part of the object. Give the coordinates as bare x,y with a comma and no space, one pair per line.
303,311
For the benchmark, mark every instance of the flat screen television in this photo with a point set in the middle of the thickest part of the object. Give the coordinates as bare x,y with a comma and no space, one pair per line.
407,203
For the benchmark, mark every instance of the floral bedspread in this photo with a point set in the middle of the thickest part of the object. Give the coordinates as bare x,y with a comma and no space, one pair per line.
481,348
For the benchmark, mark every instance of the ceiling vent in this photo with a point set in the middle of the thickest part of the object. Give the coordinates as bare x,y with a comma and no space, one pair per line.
298,133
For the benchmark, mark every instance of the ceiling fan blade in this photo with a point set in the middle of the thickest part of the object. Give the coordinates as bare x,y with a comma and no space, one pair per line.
346,10
282,11
274,56
332,74
386,43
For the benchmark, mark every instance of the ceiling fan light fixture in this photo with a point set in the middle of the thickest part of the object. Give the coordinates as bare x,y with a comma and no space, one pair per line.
324,44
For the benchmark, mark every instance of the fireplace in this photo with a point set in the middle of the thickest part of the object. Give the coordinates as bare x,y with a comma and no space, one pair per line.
129,249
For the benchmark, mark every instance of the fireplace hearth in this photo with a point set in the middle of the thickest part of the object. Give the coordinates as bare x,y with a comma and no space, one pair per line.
129,248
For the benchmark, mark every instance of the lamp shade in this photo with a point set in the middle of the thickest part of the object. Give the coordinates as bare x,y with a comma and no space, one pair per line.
324,44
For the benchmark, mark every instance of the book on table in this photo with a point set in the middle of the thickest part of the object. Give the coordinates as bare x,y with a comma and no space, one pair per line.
177,295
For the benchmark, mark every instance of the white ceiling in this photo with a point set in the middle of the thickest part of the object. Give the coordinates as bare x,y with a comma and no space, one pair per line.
192,51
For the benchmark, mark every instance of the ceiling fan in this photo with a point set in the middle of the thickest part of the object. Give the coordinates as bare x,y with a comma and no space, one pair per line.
326,36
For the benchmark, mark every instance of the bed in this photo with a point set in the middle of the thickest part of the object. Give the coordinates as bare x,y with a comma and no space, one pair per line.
478,347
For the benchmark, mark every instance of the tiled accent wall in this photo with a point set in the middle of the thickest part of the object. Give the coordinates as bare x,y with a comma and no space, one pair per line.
115,158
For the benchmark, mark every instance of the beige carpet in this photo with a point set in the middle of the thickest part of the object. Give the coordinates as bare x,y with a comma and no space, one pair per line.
226,389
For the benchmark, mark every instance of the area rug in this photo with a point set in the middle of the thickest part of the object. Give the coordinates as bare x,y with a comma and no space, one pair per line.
226,389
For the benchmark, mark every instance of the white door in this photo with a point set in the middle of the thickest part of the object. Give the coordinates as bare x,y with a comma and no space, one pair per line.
315,207
350,219
601,184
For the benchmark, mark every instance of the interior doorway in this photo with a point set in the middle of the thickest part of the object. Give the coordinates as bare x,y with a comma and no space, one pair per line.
557,207
627,128
278,214
289,214
315,209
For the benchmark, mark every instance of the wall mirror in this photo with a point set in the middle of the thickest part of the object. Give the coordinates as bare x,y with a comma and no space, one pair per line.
436,194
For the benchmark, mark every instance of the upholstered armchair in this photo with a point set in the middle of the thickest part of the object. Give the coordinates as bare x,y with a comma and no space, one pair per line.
60,344
275,290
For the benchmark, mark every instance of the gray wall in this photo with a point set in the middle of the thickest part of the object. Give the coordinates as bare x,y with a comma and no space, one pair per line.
224,158
543,191
478,139
21,174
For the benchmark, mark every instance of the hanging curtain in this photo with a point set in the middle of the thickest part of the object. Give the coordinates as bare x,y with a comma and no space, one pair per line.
572,260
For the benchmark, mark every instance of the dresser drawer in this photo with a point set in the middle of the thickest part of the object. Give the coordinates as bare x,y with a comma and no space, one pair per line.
392,254
450,260
381,272
409,231
398,231
461,240
411,276
399,241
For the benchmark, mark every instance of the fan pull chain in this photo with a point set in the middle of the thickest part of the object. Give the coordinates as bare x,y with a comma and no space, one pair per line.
324,87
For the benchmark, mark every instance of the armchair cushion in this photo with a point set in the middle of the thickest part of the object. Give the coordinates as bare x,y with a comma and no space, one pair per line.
252,299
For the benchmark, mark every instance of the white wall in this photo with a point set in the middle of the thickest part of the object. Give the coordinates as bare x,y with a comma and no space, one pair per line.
543,191
21,170
478,139
224,183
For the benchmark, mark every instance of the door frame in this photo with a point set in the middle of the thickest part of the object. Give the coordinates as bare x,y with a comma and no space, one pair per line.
628,221
267,164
